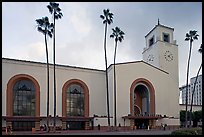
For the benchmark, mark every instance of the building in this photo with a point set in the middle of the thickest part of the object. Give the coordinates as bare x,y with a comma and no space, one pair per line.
147,91
197,96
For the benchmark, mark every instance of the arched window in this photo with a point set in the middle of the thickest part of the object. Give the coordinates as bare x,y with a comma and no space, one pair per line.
75,100
24,98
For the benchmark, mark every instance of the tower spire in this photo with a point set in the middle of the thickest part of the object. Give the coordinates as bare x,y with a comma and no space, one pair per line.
158,22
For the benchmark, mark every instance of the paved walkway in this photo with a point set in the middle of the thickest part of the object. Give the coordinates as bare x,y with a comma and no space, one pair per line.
95,132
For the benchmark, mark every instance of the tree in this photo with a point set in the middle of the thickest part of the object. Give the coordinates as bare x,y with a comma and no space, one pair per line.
119,36
191,36
182,115
57,14
199,50
107,20
197,116
46,28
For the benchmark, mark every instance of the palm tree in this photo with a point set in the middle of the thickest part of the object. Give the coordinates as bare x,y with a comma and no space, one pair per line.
107,19
57,14
192,35
46,28
200,51
118,34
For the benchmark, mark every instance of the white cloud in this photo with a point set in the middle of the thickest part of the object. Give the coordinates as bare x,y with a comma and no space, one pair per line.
36,50
81,22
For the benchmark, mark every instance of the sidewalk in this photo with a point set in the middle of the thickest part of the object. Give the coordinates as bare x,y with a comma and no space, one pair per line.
95,132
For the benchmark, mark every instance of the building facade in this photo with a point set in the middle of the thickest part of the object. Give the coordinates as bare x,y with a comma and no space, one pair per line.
147,91
197,95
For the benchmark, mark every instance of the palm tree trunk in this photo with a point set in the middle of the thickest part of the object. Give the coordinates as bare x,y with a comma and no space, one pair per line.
48,85
186,116
193,93
106,76
54,124
115,121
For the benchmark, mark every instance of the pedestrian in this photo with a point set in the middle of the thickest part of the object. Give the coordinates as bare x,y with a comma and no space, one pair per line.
9,130
68,126
164,126
99,126
143,125
161,126
6,130
119,126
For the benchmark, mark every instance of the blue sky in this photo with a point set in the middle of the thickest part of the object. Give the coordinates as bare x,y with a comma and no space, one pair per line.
80,33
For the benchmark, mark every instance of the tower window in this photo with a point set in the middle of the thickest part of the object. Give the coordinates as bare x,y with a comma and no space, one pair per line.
151,41
166,37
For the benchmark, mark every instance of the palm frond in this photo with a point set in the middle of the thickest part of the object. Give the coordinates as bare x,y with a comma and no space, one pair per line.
58,9
109,22
111,15
49,34
187,35
200,49
50,9
195,37
41,30
39,22
104,12
101,16
104,22
111,36
187,39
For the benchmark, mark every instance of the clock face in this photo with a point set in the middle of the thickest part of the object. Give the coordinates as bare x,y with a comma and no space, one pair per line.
168,56
150,58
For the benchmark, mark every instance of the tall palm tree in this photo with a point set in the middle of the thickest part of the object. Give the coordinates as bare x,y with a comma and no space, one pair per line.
119,36
200,51
191,36
107,18
57,14
46,28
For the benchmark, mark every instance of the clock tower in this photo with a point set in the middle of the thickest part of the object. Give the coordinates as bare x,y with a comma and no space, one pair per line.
161,50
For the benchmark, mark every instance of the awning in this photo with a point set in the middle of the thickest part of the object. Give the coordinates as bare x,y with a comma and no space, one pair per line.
32,118
20,118
77,118
143,117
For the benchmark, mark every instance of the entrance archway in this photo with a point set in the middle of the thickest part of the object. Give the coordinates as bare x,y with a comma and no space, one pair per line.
142,97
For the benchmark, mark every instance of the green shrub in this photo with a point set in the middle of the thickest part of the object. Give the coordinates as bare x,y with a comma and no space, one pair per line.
192,131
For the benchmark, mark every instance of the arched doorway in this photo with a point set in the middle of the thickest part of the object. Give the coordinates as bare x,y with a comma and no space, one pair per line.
142,103
141,99
23,103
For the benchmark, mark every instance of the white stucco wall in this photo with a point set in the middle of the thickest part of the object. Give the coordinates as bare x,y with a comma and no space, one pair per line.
94,79
166,89
168,121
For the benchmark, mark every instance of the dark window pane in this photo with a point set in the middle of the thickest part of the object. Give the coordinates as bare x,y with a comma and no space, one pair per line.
23,97
75,100
151,41
166,37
